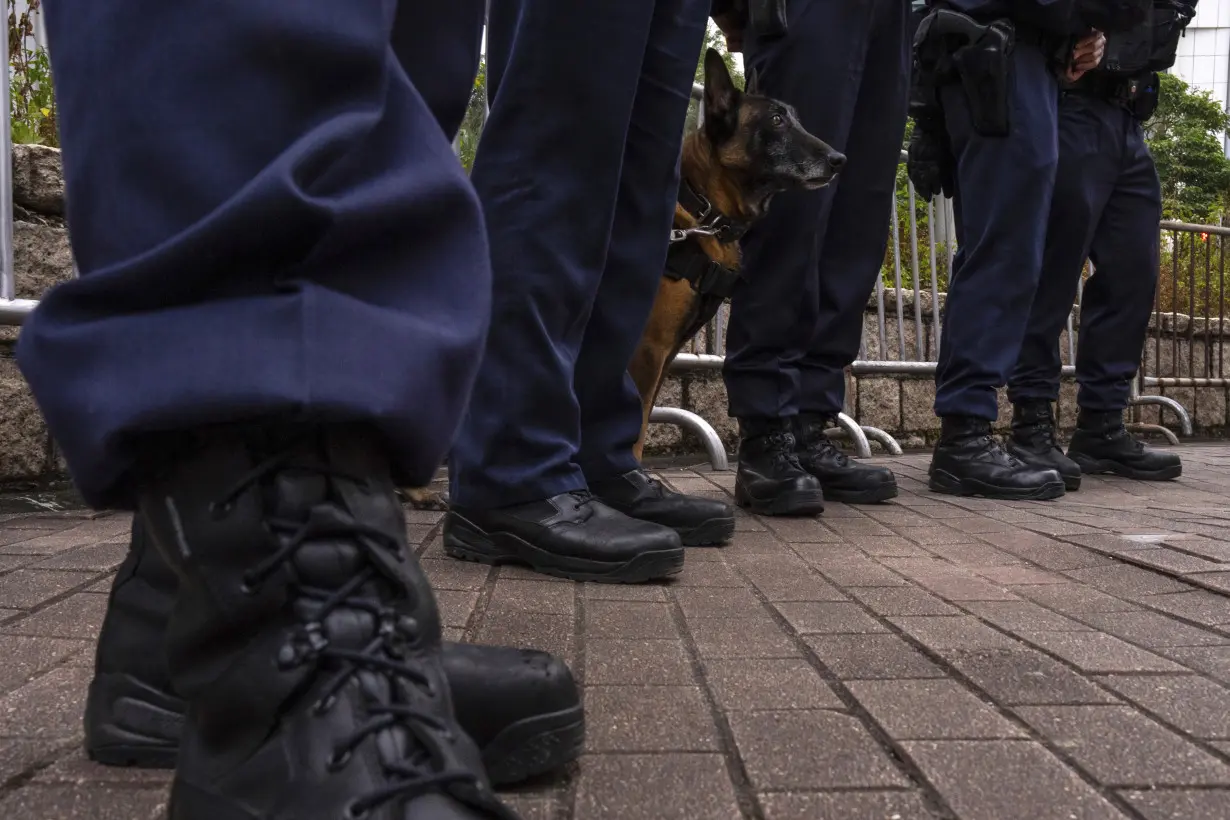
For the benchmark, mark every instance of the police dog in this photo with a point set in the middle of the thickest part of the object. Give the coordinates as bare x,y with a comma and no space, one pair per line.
746,149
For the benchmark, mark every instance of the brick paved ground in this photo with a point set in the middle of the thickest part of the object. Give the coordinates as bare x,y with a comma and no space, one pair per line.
933,657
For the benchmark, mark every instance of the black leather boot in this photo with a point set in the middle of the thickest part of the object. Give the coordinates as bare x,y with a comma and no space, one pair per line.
1101,444
842,479
520,706
572,535
700,522
968,461
305,638
770,479
1033,441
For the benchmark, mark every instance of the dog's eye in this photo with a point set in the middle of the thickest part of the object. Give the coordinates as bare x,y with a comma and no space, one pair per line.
778,120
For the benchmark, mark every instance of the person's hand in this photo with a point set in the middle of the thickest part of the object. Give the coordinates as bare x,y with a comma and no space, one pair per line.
731,24
1086,55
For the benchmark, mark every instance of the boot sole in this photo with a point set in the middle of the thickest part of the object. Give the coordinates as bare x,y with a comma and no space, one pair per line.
712,533
468,542
873,495
530,747
796,503
949,484
130,724
1102,466
535,746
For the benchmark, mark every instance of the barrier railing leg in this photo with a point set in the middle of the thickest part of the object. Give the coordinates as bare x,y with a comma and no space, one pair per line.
850,427
886,441
714,447
1185,419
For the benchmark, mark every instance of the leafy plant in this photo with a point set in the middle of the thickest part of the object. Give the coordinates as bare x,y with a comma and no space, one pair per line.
1183,136
475,119
32,104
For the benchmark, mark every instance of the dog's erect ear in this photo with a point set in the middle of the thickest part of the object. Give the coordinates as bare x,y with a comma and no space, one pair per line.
720,108
751,83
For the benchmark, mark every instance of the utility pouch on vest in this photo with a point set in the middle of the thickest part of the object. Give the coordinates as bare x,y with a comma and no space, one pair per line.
1128,52
1113,15
1170,20
1143,98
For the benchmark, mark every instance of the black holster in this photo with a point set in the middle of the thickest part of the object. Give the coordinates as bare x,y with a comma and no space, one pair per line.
952,46
767,18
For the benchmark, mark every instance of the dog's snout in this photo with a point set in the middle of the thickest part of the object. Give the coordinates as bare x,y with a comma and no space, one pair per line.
837,161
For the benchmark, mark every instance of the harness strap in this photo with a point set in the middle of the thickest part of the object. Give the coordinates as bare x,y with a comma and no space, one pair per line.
686,260
708,219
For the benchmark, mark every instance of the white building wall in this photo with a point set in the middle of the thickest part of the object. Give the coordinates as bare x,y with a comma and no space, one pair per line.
1204,52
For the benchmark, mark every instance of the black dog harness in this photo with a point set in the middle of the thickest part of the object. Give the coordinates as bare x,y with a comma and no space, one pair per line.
687,260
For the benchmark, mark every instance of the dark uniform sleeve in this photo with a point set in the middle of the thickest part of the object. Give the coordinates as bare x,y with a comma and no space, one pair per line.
1050,15
720,7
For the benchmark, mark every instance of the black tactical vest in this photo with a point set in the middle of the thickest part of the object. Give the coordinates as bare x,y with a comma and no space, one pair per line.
1151,44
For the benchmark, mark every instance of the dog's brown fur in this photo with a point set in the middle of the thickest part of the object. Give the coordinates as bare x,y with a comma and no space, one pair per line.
725,160
677,305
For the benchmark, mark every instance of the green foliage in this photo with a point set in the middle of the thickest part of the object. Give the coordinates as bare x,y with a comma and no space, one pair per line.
716,40
476,117
1191,161
904,247
32,105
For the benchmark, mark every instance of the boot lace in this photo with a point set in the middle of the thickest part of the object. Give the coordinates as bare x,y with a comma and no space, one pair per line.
822,447
383,654
780,445
1040,433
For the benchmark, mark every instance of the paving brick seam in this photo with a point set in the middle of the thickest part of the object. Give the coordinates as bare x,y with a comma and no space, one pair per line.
1008,713
566,806
1075,616
748,801
931,795
1202,743
561,798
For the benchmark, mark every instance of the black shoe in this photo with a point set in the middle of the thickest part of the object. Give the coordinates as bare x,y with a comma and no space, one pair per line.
770,479
520,706
841,478
968,461
572,535
1101,444
699,521
1033,442
305,638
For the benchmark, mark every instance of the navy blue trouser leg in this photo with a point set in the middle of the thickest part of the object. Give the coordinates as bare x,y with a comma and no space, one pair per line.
443,67
269,223
610,404
796,322
1089,159
1118,298
1107,204
548,172
1003,197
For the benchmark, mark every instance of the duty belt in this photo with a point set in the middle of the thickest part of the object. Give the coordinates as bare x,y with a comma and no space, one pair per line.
1112,89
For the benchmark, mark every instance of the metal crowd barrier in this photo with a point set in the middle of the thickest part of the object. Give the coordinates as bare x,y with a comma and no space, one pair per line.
1196,353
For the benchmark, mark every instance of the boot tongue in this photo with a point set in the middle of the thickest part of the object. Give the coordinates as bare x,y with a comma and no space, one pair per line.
811,430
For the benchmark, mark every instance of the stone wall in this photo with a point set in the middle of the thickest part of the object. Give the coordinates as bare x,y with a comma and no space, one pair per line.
41,259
